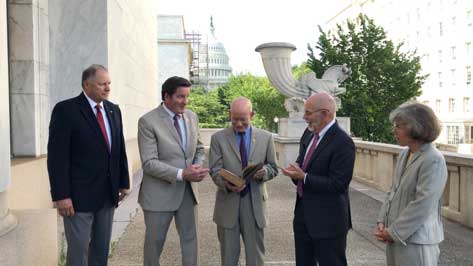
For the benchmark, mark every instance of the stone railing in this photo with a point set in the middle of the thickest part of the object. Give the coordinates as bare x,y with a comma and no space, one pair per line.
374,167
206,134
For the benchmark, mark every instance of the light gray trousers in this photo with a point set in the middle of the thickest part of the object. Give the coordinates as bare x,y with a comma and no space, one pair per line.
88,237
412,255
157,226
252,235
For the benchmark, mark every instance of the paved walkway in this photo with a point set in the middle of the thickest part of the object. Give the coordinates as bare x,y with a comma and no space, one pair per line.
363,249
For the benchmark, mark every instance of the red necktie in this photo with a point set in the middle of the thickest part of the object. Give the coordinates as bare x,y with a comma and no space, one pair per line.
306,162
98,107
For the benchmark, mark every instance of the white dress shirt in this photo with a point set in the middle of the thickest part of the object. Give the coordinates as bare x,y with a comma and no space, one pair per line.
104,114
182,127
321,136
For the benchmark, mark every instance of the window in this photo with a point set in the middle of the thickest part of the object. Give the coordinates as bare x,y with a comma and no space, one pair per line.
453,53
440,28
451,105
454,21
471,134
440,79
468,75
466,104
418,13
426,102
468,48
428,31
468,18
452,76
453,134
440,56
437,105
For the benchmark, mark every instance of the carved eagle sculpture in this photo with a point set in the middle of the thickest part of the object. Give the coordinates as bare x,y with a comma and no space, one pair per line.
276,58
309,84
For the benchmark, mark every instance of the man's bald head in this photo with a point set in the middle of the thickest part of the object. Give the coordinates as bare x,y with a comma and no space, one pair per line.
322,100
241,104
320,110
241,112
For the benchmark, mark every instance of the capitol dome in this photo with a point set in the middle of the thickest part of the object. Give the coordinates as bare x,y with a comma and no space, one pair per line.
215,65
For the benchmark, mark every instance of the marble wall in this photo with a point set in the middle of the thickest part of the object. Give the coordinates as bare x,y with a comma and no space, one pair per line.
132,59
29,60
4,110
116,33
77,39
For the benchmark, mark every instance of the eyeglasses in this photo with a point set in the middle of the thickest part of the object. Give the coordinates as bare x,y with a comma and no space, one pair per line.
398,126
307,112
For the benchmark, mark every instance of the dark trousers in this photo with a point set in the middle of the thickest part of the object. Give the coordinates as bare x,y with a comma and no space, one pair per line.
88,236
316,251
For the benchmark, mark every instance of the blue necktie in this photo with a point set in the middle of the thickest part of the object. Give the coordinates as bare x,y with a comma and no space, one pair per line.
244,162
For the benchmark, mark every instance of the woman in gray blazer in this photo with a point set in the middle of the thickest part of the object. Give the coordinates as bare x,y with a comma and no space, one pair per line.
409,221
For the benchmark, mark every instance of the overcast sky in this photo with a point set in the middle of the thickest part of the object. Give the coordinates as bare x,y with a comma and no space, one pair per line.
244,24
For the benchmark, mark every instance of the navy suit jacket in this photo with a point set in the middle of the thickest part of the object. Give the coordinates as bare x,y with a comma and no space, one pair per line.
79,164
325,191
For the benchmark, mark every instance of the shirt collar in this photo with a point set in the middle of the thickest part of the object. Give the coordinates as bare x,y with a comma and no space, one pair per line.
326,128
170,113
247,131
92,102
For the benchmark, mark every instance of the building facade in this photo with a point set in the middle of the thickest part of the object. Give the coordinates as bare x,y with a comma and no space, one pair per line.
44,47
441,32
174,50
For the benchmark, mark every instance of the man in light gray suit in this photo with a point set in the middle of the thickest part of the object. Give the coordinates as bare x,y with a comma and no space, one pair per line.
409,220
171,156
241,210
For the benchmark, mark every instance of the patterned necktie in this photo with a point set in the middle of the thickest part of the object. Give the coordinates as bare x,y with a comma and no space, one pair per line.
98,107
306,162
178,128
244,162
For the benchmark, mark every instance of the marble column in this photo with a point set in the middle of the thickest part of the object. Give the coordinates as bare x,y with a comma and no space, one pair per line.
7,221
28,29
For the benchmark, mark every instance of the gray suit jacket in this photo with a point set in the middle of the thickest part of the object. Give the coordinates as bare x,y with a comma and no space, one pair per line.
224,153
162,156
411,209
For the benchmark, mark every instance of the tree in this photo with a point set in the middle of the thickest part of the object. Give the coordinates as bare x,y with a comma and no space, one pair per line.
299,70
207,106
268,102
383,76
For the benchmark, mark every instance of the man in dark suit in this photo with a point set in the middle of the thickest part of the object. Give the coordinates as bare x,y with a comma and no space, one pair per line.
322,174
87,166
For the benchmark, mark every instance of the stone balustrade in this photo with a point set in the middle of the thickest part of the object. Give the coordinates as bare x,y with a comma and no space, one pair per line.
375,164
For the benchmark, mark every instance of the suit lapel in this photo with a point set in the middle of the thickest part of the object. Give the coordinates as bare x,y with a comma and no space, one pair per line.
327,138
187,125
89,116
415,156
254,135
168,124
232,142
112,123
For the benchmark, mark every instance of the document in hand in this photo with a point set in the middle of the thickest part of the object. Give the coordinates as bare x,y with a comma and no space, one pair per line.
248,172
